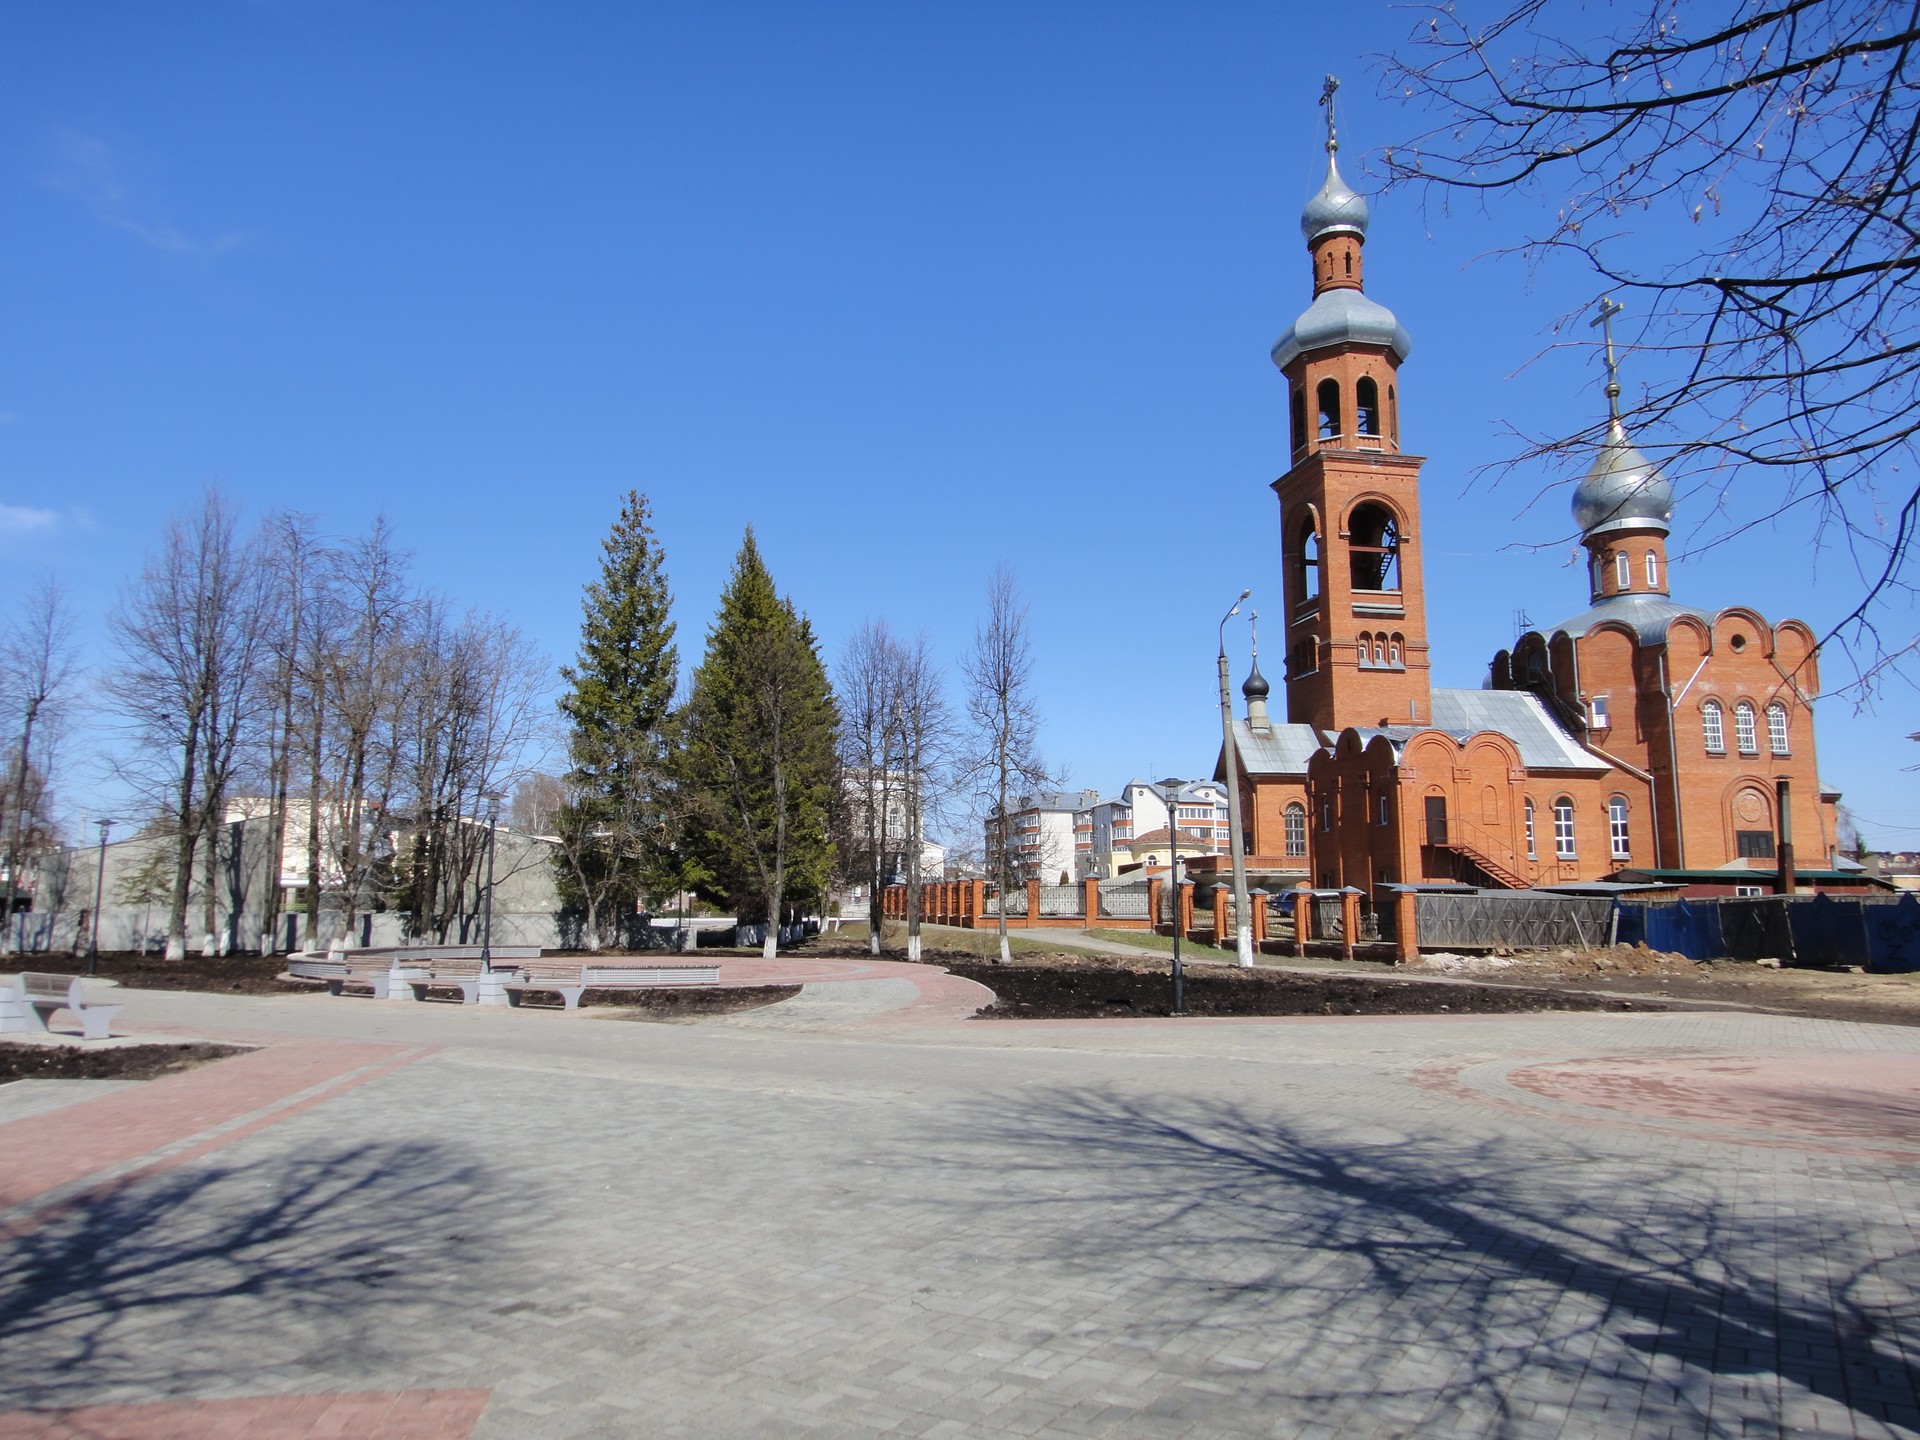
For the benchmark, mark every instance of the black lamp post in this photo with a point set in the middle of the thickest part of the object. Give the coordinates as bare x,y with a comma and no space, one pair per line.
99,898
486,914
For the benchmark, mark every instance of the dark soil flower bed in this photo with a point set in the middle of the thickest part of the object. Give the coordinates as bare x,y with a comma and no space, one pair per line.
1065,989
117,1062
232,974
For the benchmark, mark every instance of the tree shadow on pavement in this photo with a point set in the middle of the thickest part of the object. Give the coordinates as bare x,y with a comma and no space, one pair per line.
322,1264
1428,1286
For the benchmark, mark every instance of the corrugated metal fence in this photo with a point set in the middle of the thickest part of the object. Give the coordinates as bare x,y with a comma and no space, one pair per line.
1876,932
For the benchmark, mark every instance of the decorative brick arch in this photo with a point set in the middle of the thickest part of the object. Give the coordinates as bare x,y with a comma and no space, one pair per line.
1394,507
1746,804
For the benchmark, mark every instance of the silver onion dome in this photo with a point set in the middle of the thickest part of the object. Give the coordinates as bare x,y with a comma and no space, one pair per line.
1336,208
1622,491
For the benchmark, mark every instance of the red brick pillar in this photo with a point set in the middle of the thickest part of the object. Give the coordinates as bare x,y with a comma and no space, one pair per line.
1259,899
1222,922
1406,935
1033,903
1349,922
1092,902
1155,888
1302,918
1183,907
977,901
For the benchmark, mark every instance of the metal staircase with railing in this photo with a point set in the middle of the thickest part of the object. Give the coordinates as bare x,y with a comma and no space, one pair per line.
1487,852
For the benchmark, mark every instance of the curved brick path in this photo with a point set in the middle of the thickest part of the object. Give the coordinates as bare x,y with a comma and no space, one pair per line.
875,1217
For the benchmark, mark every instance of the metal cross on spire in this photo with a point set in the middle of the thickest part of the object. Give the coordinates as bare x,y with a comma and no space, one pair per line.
1326,99
1253,624
1610,307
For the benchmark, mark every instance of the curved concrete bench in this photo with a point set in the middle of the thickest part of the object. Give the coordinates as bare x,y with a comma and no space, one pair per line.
30,999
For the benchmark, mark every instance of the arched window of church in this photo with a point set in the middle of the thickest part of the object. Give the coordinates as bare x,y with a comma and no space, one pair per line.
1777,729
1307,581
1296,831
1329,397
1617,827
1653,571
1393,415
1349,258
1373,548
1713,726
1598,574
1527,810
1365,648
1380,651
1303,659
1366,405
1396,652
1745,733
1622,571
1299,418
1563,829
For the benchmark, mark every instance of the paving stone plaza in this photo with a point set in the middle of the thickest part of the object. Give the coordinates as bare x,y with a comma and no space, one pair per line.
861,1214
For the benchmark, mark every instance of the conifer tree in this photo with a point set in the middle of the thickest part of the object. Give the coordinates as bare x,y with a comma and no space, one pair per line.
618,708
757,762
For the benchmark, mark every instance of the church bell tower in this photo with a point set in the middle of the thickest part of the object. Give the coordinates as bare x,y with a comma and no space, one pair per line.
1356,641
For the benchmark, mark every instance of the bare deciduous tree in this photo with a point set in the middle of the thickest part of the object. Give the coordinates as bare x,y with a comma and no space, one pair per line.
1003,719
869,691
926,752
1748,173
191,633
38,666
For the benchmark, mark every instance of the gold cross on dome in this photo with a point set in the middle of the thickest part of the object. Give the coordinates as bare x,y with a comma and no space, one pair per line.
1326,99
1610,307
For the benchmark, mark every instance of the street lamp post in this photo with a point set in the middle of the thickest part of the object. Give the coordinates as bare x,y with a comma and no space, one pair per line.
486,914
1243,921
1170,792
99,898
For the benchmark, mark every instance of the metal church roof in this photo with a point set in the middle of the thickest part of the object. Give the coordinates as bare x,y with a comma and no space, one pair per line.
1518,715
1338,317
1280,750
1648,616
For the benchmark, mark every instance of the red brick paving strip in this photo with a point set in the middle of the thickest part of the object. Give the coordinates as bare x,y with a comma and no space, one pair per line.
104,1136
375,1415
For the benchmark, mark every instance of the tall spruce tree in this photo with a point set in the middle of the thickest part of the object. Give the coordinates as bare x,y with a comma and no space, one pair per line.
613,822
757,762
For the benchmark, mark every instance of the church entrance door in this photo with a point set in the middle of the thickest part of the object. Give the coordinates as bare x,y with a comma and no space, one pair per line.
1436,820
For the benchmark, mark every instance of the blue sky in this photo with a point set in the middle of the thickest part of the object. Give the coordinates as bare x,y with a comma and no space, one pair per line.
914,290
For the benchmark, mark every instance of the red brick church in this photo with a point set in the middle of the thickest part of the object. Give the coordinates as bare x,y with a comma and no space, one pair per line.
1638,735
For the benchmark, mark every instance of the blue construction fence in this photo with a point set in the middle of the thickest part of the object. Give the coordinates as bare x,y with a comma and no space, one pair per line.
1877,932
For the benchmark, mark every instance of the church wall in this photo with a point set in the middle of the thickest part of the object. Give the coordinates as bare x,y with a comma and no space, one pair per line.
1264,800
1722,794
1478,831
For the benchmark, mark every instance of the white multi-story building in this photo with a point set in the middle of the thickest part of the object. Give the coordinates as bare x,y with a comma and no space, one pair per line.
1040,831
1106,830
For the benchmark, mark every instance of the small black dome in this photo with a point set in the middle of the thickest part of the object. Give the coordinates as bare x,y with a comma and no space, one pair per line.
1256,687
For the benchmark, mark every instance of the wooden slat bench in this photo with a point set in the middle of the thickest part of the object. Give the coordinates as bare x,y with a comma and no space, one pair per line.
570,982
29,1001
379,970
